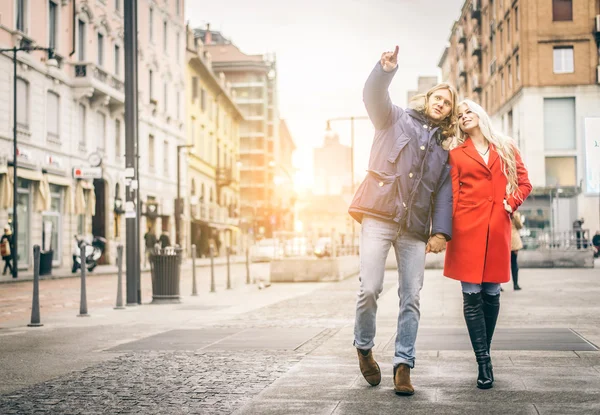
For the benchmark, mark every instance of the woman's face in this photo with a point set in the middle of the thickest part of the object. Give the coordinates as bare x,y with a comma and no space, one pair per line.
467,120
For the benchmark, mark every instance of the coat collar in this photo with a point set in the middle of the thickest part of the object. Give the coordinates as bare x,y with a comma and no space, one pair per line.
469,149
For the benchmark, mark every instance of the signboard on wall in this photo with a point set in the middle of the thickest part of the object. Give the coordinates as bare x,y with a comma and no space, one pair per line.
592,155
87,172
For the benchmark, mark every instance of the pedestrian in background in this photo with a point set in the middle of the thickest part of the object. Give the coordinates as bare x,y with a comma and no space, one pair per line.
6,250
149,242
515,244
489,183
405,201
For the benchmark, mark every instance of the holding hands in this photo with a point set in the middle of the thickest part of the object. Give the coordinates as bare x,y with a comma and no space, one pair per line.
436,244
389,60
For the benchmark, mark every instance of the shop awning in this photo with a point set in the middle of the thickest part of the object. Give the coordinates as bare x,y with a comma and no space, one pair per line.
6,191
33,175
59,180
43,198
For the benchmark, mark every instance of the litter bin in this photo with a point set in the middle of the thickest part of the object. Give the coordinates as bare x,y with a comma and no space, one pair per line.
46,262
165,267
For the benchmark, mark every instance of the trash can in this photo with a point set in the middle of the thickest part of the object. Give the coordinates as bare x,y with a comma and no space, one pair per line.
165,267
46,262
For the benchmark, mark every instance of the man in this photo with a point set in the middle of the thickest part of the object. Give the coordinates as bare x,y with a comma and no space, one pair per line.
404,201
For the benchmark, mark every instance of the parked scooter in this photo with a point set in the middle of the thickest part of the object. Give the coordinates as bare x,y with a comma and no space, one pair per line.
93,252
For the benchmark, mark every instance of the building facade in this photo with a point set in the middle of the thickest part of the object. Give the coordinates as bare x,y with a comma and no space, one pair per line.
254,83
213,124
424,84
71,118
285,195
332,166
535,67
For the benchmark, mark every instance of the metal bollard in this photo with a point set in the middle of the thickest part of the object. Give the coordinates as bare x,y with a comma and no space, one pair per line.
35,305
247,265
120,278
83,300
212,270
228,270
194,288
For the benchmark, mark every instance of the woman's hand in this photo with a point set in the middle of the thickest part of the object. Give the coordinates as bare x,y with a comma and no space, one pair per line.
507,206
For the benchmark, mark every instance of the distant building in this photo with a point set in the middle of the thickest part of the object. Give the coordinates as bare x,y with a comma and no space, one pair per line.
425,83
332,167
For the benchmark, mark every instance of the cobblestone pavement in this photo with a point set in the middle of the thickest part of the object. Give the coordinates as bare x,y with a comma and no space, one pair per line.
187,382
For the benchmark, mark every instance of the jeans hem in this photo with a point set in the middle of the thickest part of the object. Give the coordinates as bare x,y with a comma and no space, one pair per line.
398,360
369,345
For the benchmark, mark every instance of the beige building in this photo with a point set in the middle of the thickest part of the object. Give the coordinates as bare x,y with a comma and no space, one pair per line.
424,84
534,65
285,195
254,82
332,164
71,117
213,121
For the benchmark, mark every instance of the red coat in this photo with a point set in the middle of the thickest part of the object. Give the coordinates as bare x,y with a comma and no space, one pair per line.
480,247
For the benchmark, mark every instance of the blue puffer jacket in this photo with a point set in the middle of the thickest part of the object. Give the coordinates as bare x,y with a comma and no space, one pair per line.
408,179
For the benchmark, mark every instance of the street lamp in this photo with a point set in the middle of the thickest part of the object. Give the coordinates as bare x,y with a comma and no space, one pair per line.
51,62
178,204
327,131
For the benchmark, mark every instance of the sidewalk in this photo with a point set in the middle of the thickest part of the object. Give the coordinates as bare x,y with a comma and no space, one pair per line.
288,350
65,272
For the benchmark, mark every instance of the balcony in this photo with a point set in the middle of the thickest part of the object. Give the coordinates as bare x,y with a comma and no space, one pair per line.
98,85
493,66
476,9
224,176
475,46
461,68
475,84
213,213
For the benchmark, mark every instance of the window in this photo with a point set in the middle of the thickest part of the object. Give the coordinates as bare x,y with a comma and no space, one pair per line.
517,68
502,84
150,82
562,10
117,60
151,152
52,108
194,88
118,150
193,131
52,15
203,100
23,103
516,19
117,5
178,7
509,70
166,97
81,126
166,158
508,32
165,38
81,40
561,171
101,131
559,124
21,15
177,41
150,24
510,123
100,49
563,59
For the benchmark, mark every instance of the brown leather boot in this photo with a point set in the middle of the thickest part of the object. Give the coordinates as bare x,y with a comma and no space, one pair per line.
369,368
402,385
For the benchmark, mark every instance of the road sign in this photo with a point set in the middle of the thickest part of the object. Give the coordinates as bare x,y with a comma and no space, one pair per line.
87,172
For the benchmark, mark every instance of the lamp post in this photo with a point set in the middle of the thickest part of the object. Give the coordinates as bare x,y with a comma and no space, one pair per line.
328,129
178,204
51,62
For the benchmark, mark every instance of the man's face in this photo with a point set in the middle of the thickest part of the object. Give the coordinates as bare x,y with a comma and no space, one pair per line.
439,105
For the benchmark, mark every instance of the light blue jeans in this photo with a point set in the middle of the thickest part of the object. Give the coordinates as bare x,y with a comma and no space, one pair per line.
377,237
489,288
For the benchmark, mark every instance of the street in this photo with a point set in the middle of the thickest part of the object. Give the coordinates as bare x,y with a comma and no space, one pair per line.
288,349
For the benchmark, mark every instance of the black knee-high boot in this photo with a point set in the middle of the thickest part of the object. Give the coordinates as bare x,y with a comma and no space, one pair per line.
475,319
491,309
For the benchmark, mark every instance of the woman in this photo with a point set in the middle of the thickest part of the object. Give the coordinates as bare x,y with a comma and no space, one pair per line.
6,247
515,244
489,183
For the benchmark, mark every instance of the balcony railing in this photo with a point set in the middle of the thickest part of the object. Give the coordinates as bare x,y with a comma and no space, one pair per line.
475,46
224,176
475,84
212,213
104,85
475,9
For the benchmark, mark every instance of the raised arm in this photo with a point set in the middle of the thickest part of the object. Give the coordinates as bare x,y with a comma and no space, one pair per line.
375,94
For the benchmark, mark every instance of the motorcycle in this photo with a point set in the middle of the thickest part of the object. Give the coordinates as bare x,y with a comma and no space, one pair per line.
93,252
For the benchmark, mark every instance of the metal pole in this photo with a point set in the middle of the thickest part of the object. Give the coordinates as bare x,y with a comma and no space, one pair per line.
352,174
119,277
130,24
138,206
35,306
83,300
194,287
228,269
212,270
247,264
177,202
15,253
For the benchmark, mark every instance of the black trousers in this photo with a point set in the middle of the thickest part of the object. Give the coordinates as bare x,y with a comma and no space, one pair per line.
8,265
514,267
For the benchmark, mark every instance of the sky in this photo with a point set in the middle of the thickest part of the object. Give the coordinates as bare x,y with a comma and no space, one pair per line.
325,51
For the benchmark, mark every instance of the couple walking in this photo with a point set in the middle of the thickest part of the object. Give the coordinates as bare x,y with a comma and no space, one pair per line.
440,177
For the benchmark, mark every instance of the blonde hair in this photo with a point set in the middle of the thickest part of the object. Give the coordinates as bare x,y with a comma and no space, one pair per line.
505,146
449,125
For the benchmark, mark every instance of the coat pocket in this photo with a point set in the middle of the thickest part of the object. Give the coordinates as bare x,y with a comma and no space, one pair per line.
378,194
397,148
